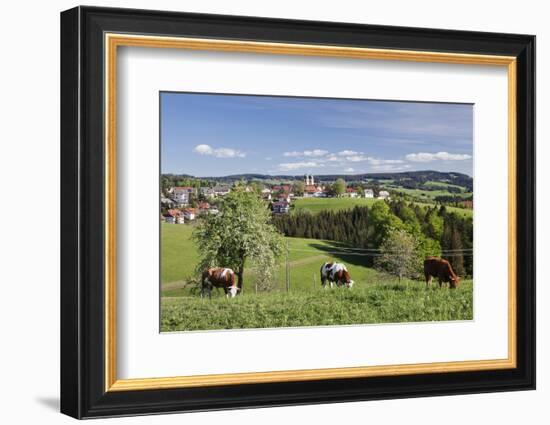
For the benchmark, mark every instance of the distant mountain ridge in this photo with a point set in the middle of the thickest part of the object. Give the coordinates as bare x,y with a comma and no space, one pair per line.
452,177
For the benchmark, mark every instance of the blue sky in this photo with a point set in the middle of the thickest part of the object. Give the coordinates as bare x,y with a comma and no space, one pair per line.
218,135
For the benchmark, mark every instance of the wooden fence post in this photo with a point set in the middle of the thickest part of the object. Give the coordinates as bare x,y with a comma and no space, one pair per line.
287,270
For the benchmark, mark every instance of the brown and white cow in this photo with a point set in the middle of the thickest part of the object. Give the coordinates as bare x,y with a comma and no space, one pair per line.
219,277
442,270
335,273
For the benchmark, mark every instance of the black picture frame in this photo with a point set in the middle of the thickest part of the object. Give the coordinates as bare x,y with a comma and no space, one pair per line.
83,392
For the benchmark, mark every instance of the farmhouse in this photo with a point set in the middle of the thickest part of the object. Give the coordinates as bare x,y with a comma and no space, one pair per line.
383,194
284,198
281,189
174,216
204,207
221,190
208,192
190,213
351,193
369,193
280,207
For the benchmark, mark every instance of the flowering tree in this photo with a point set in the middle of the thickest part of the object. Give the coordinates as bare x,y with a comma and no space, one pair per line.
398,254
240,234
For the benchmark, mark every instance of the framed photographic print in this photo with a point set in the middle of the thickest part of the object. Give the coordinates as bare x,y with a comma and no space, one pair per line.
261,212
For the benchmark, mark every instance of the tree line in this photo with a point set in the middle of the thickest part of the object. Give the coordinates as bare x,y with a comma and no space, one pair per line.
433,230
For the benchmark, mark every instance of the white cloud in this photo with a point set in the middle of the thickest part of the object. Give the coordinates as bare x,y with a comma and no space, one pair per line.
203,150
349,153
311,153
378,161
356,158
218,152
342,159
289,166
390,167
442,156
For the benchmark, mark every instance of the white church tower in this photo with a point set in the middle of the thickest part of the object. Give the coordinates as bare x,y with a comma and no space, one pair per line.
309,180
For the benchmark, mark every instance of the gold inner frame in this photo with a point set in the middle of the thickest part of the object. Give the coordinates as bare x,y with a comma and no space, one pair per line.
113,41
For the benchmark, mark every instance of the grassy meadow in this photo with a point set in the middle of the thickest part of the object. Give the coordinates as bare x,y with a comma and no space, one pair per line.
316,205
375,298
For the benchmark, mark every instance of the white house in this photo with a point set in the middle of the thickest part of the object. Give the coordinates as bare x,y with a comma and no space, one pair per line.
221,190
369,193
208,192
190,213
351,192
181,194
383,194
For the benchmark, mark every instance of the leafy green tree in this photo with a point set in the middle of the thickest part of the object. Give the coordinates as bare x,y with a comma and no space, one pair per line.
256,187
382,221
241,233
433,224
398,254
408,216
166,183
299,187
339,187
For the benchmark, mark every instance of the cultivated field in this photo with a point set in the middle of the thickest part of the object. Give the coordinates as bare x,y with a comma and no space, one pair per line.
375,298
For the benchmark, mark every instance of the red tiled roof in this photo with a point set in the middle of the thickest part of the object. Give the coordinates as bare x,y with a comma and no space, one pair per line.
173,213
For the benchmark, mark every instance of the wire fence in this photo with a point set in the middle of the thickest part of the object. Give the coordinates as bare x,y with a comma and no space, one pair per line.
357,252
373,253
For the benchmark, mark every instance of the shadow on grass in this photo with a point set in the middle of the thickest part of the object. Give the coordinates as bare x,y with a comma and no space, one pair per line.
346,254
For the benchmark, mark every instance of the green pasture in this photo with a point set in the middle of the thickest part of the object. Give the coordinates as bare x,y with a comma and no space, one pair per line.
375,297
443,185
179,258
316,205
428,194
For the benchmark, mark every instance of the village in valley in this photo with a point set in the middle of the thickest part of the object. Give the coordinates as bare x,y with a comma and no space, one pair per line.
184,198
183,204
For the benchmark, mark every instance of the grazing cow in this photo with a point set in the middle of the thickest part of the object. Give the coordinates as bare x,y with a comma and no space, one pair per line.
335,273
437,267
219,277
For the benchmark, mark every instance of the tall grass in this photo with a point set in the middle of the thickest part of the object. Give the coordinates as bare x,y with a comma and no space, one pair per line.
393,302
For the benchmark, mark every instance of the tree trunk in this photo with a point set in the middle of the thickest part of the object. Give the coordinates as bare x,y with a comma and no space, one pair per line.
240,274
